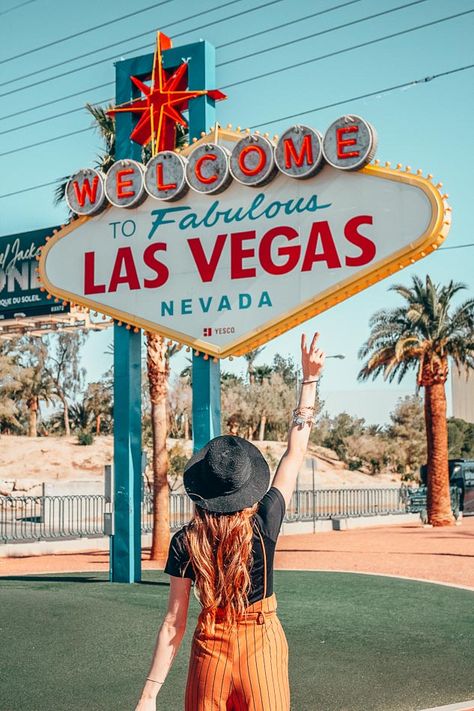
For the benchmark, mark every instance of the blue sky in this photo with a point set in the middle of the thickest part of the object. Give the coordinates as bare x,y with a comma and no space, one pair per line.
426,125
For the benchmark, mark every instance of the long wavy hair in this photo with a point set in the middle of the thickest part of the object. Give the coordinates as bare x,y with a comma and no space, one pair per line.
220,551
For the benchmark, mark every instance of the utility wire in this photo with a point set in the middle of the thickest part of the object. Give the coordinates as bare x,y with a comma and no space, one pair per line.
316,34
114,44
85,32
337,52
325,32
388,89
348,49
414,82
456,246
136,49
17,7
219,46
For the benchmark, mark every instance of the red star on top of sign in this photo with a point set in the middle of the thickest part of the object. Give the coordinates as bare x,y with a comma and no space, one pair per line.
162,103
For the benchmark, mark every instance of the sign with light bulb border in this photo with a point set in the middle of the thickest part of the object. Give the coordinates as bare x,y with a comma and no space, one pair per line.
238,238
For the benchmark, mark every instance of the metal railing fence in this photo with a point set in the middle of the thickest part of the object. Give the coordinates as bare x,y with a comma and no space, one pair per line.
32,518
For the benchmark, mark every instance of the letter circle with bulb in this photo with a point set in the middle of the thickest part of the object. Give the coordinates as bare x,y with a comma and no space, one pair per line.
207,170
165,176
125,184
349,143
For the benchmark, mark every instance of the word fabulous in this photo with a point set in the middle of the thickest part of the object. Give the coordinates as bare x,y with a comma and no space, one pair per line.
301,152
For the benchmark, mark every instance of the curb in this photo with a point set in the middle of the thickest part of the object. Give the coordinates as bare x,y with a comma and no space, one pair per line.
465,706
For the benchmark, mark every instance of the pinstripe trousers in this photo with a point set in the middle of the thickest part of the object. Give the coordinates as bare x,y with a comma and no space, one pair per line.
243,668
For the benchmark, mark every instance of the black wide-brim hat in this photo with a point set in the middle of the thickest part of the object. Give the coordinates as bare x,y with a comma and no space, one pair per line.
227,475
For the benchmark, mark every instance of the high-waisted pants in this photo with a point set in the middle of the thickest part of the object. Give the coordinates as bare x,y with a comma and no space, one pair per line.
242,668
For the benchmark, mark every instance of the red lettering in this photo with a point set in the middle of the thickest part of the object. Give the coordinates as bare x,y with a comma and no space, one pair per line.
207,269
197,169
292,252
124,259
342,142
238,254
86,190
298,158
260,165
90,287
366,245
122,184
160,184
160,269
329,253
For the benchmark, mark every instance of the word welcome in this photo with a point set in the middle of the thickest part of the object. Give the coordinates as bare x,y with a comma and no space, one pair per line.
301,152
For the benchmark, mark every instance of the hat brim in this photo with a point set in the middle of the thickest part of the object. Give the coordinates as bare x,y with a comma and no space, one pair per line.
248,495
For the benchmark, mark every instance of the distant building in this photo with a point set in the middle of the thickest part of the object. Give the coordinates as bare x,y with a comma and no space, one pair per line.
462,394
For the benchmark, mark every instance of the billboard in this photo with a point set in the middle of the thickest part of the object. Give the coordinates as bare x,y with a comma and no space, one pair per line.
234,241
20,294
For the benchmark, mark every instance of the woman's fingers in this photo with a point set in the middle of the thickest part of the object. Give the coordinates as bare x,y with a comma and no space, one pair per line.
314,341
303,341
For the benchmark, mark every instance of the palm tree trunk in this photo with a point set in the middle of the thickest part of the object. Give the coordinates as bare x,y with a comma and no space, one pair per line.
261,431
158,371
32,417
439,500
97,424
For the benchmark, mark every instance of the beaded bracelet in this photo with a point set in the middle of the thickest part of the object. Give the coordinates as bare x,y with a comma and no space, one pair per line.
300,418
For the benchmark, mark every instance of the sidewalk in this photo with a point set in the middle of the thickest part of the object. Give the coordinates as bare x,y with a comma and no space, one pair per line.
443,555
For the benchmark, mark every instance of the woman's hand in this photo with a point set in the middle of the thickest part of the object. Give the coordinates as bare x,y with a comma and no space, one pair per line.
312,359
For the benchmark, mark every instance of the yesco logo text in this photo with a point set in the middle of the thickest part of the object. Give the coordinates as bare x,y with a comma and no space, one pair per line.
348,144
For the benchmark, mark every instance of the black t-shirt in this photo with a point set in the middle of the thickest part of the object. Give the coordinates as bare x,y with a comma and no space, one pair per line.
269,517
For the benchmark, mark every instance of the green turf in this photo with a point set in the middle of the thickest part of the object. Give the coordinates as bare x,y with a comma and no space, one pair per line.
75,642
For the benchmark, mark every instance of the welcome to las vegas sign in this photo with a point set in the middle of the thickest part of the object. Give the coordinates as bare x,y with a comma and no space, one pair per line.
238,238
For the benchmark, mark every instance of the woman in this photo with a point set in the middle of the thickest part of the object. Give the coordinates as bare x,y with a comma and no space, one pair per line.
239,656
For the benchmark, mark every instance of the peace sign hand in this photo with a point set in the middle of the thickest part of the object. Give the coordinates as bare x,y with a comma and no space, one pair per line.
312,359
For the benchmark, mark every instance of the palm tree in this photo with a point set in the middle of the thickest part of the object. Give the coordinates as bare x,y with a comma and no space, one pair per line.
158,355
422,334
250,357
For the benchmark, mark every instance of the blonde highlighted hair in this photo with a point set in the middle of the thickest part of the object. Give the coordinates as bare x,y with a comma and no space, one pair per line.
220,551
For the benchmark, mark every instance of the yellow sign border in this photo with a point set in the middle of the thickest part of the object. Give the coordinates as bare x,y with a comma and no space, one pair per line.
428,242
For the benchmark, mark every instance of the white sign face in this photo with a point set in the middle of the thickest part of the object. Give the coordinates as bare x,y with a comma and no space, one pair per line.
226,272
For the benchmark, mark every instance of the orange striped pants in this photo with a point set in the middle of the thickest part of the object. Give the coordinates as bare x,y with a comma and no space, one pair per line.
242,669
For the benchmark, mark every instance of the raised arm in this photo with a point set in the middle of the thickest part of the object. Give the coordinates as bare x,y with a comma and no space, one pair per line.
312,362
167,643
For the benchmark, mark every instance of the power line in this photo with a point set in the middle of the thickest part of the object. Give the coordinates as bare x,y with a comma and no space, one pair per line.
349,49
315,59
17,7
85,32
324,32
347,24
414,82
47,140
114,44
457,246
33,187
106,84
137,49
388,89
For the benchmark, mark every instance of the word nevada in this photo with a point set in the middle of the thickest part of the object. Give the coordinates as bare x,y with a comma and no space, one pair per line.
301,152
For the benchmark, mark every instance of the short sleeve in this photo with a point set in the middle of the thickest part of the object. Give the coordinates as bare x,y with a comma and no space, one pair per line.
178,563
271,512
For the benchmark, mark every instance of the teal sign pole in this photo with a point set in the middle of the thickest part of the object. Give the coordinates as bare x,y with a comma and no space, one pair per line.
125,554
